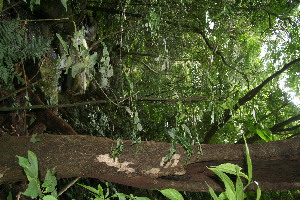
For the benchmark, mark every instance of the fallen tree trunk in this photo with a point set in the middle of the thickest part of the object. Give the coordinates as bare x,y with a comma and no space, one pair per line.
275,164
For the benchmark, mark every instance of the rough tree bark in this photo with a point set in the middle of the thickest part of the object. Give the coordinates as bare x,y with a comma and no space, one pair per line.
275,164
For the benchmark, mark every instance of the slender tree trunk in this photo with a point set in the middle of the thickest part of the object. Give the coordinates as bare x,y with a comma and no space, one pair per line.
275,164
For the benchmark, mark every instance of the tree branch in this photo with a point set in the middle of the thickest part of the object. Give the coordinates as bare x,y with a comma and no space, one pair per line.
87,156
279,127
247,97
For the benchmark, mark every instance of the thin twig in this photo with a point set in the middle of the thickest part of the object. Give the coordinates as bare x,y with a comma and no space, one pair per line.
17,91
67,186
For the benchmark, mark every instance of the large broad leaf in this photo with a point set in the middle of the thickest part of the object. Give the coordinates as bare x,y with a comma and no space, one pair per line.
29,165
172,194
33,190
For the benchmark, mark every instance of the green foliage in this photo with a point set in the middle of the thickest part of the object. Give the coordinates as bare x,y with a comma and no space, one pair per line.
78,57
116,151
81,62
16,45
9,197
33,3
99,194
178,138
171,153
106,69
47,190
172,194
234,191
171,52
34,139
1,5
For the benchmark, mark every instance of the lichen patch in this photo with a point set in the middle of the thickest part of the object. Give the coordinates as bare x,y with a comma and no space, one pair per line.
153,171
121,166
173,162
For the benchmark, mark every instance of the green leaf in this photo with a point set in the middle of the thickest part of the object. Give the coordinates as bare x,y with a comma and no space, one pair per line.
1,5
64,3
77,69
139,126
9,197
212,193
222,196
136,118
171,153
32,3
229,186
33,190
29,165
239,187
231,169
100,190
34,139
258,191
63,43
50,183
23,162
49,197
91,60
121,196
33,164
94,190
185,143
141,198
261,135
249,163
172,194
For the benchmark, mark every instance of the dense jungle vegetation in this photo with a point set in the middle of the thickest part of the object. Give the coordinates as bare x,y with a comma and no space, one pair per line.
177,71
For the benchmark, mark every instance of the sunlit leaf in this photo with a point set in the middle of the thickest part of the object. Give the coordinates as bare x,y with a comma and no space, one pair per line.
231,169
172,194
